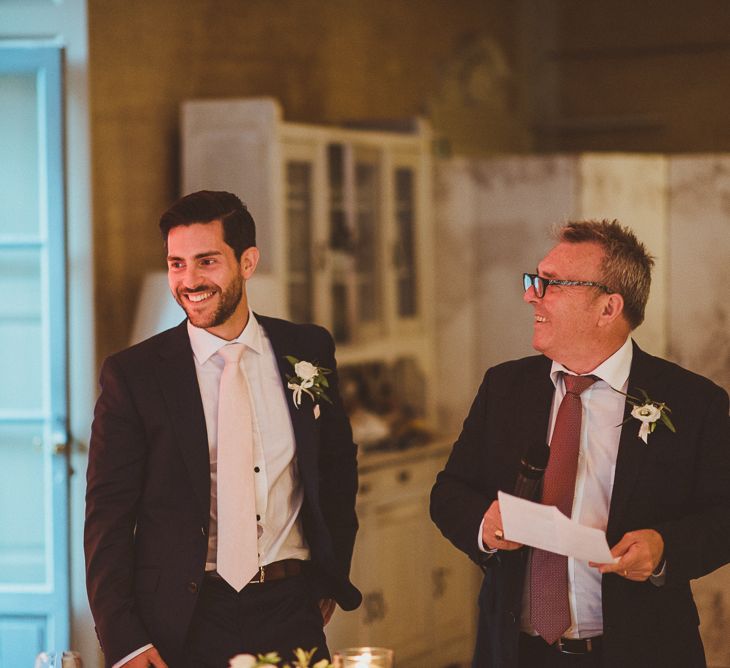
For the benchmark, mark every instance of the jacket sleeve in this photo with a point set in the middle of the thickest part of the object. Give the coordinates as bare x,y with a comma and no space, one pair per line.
337,465
461,495
698,541
115,476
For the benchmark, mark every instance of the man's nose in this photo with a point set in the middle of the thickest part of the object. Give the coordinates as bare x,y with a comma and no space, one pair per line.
191,277
529,296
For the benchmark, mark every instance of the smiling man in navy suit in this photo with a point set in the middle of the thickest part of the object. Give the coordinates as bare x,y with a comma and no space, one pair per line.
153,534
656,481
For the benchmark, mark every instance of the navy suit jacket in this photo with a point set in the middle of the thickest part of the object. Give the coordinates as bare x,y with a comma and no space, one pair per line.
678,484
148,488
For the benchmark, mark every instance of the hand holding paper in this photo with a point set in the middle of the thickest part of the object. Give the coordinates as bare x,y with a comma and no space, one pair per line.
545,527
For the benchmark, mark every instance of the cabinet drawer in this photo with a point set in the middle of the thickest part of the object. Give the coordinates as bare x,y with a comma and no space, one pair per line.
397,481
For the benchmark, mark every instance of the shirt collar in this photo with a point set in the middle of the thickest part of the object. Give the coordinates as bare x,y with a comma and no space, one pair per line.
205,344
614,370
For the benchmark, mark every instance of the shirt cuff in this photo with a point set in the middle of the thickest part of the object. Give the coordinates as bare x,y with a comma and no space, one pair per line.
659,576
486,550
129,657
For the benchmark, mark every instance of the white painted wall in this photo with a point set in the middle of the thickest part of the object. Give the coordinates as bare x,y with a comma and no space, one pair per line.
699,324
633,189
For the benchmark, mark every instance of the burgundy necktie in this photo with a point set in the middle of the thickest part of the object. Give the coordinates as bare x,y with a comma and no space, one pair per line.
549,606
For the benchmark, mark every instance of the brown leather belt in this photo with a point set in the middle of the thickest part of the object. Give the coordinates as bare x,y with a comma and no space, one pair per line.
578,645
276,570
564,645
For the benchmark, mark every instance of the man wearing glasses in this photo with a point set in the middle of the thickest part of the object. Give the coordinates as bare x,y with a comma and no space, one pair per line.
652,470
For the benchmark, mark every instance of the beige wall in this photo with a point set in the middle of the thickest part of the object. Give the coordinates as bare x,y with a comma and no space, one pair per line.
491,76
627,75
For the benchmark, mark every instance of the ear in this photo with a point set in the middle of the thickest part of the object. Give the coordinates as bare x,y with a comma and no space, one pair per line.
249,261
613,307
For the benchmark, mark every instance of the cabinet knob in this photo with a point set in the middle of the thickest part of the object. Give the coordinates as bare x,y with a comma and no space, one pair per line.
374,607
439,577
404,476
364,488
320,255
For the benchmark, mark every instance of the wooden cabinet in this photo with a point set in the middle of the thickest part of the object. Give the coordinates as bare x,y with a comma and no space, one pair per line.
343,219
419,592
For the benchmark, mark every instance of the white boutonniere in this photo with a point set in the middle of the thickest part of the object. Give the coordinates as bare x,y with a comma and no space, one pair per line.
648,412
308,379
272,660
250,661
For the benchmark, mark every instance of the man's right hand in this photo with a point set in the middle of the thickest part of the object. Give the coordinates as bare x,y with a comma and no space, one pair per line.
492,531
150,657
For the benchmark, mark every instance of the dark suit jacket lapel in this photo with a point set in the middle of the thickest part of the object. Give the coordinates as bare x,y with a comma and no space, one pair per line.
284,343
632,451
539,419
532,412
179,383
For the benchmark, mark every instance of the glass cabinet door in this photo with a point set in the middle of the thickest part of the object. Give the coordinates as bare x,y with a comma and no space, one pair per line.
300,297
352,252
367,241
355,218
340,245
404,252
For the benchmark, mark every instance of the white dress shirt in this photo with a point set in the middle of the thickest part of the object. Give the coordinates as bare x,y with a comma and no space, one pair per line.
603,413
278,489
279,493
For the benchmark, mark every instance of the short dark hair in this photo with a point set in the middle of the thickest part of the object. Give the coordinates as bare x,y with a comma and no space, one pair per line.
205,206
626,265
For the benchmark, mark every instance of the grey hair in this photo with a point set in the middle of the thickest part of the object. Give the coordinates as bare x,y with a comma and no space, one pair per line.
626,265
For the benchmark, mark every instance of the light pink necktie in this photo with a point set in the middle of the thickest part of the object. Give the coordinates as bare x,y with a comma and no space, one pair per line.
549,605
237,557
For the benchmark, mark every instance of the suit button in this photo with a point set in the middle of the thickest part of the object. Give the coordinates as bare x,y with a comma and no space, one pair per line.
203,531
512,618
193,587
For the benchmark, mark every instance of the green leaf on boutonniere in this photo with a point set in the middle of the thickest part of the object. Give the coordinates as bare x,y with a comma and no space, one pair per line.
648,412
665,419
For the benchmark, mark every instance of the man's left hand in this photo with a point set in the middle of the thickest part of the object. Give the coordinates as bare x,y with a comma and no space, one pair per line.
327,607
639,554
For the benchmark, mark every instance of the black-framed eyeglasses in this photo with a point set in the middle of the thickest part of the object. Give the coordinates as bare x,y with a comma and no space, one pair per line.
539,284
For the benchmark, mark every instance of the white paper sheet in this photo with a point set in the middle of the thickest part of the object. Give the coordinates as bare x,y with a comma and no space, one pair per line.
547,528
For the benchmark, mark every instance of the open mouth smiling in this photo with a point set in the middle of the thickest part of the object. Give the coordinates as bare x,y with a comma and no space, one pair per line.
197,297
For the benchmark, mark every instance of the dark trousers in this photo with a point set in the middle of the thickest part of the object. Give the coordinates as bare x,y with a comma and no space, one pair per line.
534,652
277,616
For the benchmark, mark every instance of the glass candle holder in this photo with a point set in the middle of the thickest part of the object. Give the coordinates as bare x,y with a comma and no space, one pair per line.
363,657
71,659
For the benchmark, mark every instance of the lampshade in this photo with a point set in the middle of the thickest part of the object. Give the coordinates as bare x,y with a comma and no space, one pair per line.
157,310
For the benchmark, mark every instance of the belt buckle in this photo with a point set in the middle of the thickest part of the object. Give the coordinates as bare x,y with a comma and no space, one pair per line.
261,578
563,650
